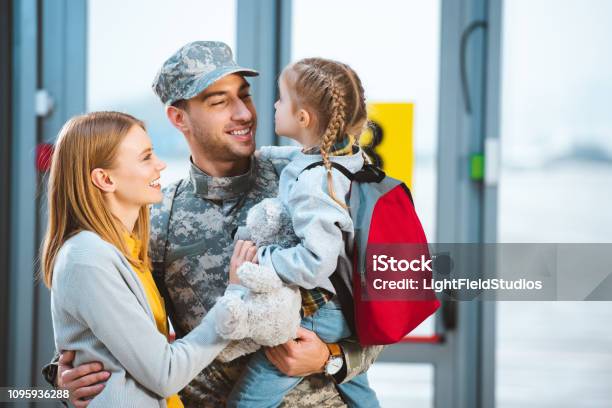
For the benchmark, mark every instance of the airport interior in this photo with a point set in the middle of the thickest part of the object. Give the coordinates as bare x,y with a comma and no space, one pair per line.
495,113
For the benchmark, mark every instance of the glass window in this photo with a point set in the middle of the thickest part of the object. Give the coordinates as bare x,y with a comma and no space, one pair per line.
394,48
555,187
402,385
127,43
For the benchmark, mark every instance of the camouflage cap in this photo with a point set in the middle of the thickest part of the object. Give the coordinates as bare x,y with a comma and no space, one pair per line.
194,68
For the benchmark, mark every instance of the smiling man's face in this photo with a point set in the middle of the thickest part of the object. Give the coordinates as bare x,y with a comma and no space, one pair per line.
222,120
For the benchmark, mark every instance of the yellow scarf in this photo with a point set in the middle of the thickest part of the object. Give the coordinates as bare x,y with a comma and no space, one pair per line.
155,300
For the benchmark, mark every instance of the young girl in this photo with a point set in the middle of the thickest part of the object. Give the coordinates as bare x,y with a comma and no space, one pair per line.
104,302
322,107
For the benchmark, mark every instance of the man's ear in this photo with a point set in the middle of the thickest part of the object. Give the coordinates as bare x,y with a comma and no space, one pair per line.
101,179
177,117
304,118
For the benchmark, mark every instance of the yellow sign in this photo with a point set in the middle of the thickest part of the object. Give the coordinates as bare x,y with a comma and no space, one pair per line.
389,144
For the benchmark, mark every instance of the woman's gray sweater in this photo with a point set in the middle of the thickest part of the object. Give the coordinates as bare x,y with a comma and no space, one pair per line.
100,310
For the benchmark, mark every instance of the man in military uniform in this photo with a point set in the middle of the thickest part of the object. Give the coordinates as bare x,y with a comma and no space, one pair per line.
207,99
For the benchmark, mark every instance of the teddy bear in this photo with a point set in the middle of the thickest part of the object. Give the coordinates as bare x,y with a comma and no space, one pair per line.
269,314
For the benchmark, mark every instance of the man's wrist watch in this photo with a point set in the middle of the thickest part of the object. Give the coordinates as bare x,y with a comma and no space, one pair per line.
335,360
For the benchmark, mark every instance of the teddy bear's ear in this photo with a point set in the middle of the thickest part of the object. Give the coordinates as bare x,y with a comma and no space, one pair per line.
264,222
273,209
242,233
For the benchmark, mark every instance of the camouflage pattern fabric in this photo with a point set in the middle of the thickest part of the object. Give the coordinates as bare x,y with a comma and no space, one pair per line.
193,68
201,216
357,358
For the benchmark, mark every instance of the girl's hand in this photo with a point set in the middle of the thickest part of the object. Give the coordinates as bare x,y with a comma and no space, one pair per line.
244,251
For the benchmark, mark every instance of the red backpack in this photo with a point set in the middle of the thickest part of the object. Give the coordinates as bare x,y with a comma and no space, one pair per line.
385,220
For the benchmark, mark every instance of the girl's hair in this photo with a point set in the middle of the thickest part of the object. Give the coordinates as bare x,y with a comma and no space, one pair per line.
75,204
332,92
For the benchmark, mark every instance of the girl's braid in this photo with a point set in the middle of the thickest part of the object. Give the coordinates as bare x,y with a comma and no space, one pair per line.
335,130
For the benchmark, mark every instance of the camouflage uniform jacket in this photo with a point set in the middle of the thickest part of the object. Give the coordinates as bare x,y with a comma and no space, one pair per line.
191,267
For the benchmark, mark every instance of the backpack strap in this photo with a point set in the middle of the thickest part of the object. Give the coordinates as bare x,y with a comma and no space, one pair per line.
335,165
407,190
347,304
369,173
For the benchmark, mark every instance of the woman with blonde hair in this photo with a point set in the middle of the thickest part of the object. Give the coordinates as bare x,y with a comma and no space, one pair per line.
104,302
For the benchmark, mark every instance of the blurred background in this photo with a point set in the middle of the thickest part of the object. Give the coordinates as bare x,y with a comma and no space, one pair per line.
510,140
